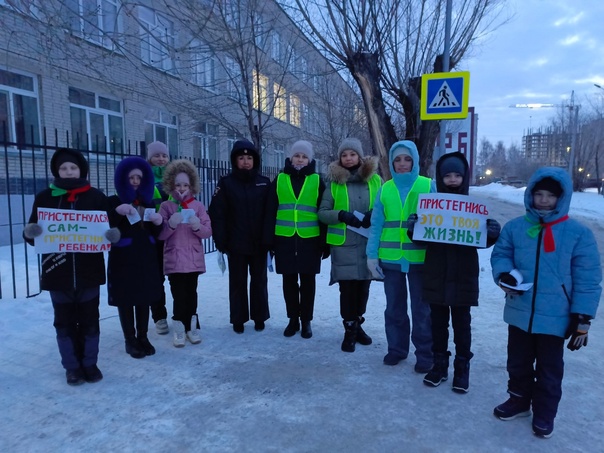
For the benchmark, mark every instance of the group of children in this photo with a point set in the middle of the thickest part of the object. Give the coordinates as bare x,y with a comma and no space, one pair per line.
367,228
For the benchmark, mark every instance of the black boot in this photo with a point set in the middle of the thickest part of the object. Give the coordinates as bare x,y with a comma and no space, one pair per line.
461,375
134,348
292,327
362,337
306,330
439,372
146,345
350,335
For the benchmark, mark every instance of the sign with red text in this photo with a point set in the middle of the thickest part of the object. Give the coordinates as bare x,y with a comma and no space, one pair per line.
451,219
65,230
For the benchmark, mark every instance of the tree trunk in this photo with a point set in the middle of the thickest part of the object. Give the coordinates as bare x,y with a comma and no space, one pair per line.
365,69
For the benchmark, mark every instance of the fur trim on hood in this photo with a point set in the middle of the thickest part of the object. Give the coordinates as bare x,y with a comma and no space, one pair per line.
180,166
122,183
340,175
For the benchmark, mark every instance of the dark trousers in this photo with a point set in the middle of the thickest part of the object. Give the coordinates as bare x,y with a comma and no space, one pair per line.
536,368
184,293
299,298
134,321
462,331
158,309
239,266
353,298
76,321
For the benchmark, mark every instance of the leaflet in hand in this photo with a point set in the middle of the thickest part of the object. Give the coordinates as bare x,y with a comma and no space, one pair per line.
362,231
519,285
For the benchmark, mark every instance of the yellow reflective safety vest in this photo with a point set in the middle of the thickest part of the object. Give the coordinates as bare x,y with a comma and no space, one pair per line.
336,234
297,215
394,242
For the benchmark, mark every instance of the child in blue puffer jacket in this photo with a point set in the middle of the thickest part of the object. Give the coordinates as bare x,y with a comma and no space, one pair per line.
560,257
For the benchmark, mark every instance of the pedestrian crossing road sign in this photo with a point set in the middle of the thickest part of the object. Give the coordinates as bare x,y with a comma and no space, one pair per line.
445,95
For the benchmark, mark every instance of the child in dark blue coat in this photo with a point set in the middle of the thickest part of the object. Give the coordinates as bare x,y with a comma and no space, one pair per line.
558,259
134,278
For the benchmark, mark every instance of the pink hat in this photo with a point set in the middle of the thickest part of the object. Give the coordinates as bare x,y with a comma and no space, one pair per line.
156,148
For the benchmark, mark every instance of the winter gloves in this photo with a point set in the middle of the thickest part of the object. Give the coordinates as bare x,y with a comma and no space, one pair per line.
156,218
125,209
373,264
194,222
493,229
508,279
411,221
174,220
367,219
113,235
579,326
350,219
32,230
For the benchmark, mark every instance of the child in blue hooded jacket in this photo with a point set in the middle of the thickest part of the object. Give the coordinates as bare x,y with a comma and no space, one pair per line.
560,257
392,255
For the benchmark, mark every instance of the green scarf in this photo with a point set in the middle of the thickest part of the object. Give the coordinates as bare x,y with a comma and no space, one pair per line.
158,173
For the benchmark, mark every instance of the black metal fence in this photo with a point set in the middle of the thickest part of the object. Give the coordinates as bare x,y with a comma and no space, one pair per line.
24,171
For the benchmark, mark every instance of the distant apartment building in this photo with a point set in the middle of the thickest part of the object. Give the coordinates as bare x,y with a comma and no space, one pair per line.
547,146
105,75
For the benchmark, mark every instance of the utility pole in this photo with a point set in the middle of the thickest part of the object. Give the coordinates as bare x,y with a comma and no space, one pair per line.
446,52
574,121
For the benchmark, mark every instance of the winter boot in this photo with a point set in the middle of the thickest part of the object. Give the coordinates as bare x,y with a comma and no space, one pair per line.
179,334
439,371
350,335
134,348
306,330
515,406
146,345
362,337
193,334
461,375
292,327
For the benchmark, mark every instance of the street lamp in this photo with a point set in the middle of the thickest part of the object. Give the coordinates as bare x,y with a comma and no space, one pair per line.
488,172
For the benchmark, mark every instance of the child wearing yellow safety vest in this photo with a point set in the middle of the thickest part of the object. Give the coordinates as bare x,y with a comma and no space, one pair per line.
295,236
354,186
393,257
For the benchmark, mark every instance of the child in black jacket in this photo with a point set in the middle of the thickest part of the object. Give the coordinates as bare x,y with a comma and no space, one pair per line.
73,279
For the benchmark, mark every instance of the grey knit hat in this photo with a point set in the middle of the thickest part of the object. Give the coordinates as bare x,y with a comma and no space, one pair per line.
353,144
301,146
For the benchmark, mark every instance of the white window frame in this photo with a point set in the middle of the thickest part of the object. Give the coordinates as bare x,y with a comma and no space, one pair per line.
97,21
280,100
157,39
294,110
14,103
165,130
108,115
204,68
208,135
260,91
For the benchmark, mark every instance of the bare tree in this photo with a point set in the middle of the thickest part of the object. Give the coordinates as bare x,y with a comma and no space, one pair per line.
387,46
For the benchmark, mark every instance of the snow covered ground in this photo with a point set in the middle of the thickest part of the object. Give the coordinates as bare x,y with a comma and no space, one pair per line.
261,391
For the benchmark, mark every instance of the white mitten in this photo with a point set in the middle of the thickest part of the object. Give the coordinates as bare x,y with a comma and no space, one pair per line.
125,209
175,219
156,219
194,222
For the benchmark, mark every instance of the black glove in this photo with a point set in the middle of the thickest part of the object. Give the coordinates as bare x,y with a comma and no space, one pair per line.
367,219
508,279
579,326
411,221
493,228
349,219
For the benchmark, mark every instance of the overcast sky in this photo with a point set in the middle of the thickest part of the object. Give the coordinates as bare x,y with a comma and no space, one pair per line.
548,49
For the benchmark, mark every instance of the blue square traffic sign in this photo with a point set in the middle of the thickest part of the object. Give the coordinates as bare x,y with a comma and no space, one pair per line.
445,95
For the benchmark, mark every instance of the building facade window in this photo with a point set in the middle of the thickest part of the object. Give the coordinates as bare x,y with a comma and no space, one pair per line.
279,156
280,96
165,131
260,91
294,110
234,81
204,68
29,7
157,39
19,115
96,20
206,142
97,122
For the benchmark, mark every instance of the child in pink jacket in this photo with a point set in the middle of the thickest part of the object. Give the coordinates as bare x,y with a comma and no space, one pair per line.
185,224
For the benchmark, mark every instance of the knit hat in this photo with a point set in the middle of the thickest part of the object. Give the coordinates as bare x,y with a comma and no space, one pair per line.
244,147
401,150
63,155
353,144
303,147
452,165
549,184
156,148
